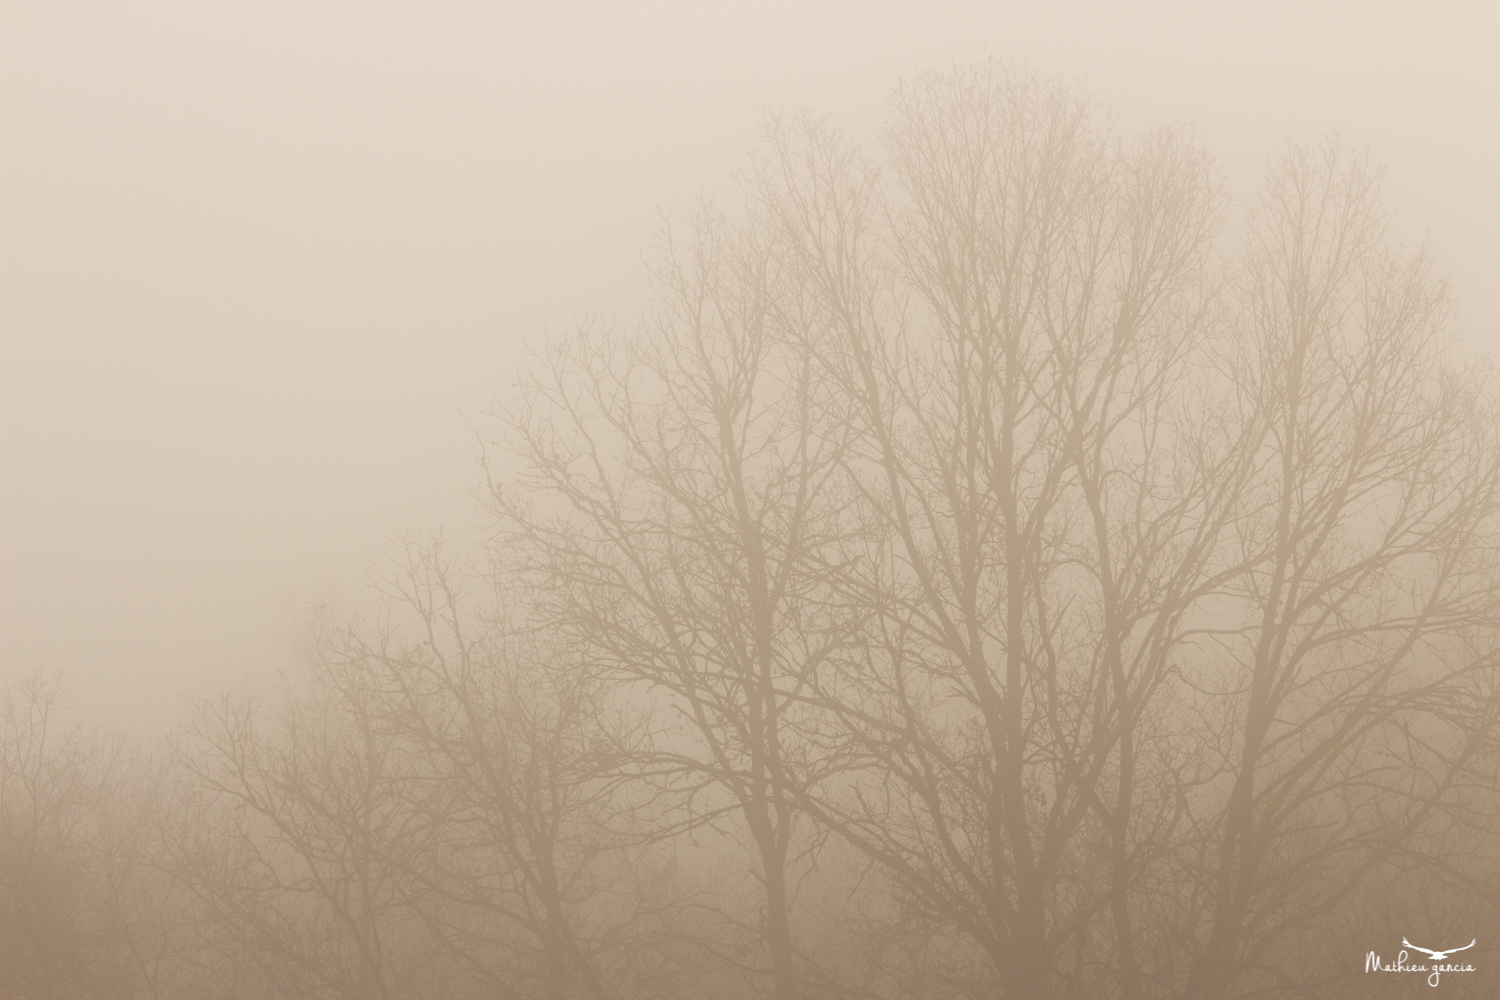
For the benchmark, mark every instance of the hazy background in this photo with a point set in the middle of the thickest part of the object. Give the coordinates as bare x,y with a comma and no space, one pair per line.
259,261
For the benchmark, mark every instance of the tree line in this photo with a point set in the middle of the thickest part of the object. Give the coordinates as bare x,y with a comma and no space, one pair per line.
1006,569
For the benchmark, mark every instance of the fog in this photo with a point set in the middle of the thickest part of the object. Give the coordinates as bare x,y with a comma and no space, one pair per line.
849,504
264,263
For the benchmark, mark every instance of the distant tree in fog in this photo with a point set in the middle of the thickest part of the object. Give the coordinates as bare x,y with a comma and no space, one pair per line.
84,911
535,847
294,847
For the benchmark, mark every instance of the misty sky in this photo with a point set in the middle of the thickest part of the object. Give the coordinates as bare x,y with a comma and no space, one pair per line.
260,261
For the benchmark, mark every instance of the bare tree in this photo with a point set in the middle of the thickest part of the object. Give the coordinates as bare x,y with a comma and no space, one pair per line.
527,875
1351,666
295,844
47,786
84,912
673,508
1012,330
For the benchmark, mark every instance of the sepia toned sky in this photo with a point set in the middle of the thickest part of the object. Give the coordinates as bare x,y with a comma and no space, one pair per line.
262,264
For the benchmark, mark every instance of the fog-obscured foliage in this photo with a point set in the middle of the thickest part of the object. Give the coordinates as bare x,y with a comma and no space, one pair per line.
992,569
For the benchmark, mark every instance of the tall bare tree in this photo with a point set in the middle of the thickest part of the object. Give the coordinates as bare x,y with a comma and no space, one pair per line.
675,501
1012,325
1352,665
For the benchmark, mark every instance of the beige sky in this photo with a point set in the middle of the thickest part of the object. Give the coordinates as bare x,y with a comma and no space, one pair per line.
258,261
